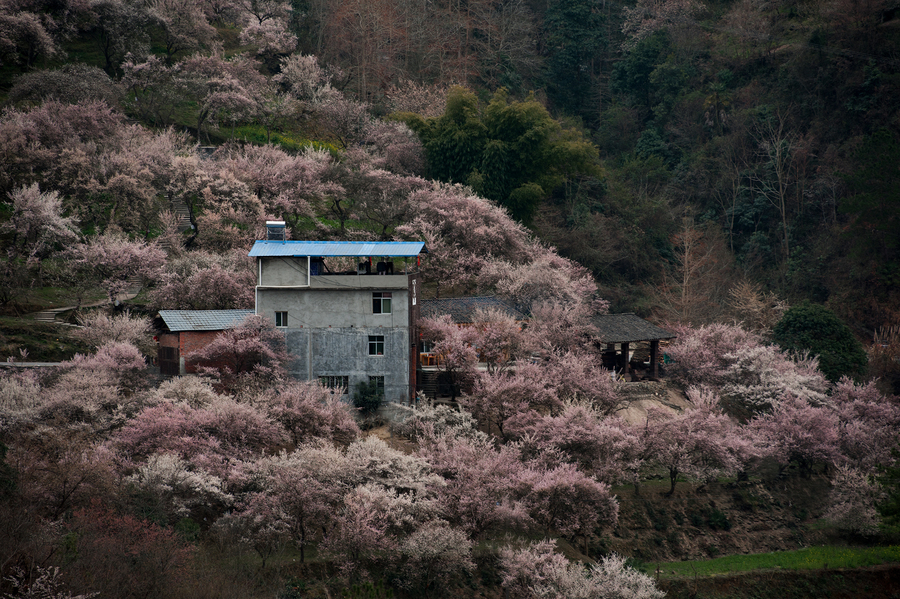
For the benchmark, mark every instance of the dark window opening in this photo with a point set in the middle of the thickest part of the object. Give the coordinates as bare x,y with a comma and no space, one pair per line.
381,302
376,345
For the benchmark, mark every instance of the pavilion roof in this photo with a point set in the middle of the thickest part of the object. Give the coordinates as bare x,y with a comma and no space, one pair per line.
628,328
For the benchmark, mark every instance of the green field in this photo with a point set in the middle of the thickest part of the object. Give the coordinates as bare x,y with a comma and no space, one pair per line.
811,558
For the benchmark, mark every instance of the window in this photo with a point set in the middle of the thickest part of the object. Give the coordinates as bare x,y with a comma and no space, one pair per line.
336,382
376,345
378,382
281,319
381,302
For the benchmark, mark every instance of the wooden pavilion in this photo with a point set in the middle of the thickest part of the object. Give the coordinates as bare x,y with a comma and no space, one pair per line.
619,332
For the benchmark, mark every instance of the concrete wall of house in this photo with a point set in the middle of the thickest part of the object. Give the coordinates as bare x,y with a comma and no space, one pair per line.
328,331
374,282
345,352
291,272
282,271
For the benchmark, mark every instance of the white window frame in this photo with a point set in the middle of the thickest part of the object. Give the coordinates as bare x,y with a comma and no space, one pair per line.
380,299
281,319
374,342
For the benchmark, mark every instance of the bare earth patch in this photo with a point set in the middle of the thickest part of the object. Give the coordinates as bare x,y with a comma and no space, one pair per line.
645,396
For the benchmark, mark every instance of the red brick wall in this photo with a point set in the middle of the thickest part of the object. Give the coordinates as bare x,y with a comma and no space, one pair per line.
169,340
185,343
168,361
192,341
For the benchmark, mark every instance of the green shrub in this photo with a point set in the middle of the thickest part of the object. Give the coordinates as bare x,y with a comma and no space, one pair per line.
659,518
368,590
718,520
188,529
368,398
294,588
812,328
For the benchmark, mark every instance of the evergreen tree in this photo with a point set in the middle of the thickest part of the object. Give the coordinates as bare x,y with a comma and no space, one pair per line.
816,329
874,207
574,37
513,153
889,507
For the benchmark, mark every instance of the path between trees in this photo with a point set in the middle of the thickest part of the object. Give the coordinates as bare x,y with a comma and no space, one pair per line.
182,220
134,287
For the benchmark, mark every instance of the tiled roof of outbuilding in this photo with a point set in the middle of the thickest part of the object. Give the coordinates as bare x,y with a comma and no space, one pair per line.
462,309
202,320
628,328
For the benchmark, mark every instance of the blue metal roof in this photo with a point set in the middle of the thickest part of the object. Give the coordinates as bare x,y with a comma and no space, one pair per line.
202,320
359,249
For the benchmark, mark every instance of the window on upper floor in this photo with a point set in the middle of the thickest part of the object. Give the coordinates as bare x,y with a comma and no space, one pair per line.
376,345
381,302
281,319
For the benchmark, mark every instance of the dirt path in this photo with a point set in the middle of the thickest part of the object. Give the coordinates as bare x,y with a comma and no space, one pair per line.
51,314
393,441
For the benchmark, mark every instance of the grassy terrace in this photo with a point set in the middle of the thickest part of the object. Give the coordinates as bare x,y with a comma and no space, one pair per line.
811,558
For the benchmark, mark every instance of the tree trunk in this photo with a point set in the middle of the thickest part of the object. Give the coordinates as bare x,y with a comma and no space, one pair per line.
673,478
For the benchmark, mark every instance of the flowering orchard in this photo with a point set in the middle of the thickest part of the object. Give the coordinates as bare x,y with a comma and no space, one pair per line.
113,482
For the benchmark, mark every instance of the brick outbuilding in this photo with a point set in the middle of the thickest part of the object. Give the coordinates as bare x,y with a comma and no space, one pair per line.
183,332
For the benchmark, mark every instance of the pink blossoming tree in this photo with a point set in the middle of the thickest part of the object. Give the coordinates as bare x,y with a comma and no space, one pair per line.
702,443
250,355
798,431
536,571
111,260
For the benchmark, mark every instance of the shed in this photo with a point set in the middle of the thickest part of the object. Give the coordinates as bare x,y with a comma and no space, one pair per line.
625,329
183,332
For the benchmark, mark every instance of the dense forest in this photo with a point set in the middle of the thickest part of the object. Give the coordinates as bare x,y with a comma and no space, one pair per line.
727,169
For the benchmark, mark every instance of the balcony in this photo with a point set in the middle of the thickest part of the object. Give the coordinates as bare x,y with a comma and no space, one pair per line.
358,281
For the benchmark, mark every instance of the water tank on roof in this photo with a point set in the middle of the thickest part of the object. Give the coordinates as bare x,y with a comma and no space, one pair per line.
275,230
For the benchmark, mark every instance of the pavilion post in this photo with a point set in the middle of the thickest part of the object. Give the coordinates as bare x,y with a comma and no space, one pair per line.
654,359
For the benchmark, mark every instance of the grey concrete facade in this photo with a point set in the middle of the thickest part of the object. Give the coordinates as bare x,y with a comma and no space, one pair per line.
332,327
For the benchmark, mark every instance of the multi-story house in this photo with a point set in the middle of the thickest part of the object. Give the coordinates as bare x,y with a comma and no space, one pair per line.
347,308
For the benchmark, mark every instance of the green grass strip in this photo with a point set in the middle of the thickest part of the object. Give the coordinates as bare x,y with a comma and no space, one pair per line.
811,558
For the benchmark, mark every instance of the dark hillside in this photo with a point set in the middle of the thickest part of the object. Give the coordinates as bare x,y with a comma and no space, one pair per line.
772,128
720,519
